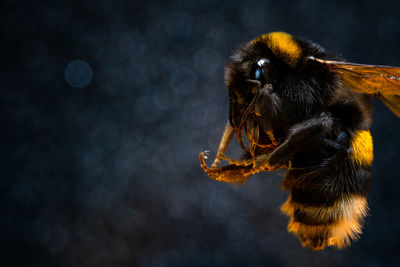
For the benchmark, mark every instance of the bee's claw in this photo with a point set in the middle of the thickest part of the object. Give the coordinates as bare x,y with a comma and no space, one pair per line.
206,153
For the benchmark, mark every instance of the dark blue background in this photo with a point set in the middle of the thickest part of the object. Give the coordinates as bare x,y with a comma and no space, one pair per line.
105,106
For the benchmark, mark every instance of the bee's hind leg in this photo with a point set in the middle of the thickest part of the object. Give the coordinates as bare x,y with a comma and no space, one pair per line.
314,134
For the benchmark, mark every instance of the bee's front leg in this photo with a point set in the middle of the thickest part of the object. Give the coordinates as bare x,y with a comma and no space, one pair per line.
233,173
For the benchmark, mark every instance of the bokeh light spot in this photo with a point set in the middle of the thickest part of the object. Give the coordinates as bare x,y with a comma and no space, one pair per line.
78,73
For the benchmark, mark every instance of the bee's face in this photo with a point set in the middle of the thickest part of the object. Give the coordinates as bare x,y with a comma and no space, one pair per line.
245,80
272,85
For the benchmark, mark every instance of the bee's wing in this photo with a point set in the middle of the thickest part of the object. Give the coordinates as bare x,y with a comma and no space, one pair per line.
382,82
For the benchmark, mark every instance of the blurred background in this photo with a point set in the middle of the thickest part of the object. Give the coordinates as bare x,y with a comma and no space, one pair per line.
106,104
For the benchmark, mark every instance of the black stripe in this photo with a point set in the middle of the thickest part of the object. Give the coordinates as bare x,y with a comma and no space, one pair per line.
305,218
323,186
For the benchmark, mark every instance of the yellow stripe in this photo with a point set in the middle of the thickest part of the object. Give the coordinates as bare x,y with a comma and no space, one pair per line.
346,207
362,148
282,45
348,214
339,234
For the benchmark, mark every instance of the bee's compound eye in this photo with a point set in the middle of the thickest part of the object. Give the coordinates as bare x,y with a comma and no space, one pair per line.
262,62
258,74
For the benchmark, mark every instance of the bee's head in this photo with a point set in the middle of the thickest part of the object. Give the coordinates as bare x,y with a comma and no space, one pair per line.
273,85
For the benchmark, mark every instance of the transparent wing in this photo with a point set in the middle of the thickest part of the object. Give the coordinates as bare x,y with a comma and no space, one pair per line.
382,82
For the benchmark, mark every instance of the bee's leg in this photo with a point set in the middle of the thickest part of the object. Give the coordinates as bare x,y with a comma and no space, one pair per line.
223,145
227,174
259,163
314,134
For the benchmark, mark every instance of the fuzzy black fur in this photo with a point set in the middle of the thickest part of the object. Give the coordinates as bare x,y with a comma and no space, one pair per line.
313,117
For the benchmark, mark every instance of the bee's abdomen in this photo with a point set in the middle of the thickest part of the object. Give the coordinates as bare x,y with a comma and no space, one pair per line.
321,226
327,204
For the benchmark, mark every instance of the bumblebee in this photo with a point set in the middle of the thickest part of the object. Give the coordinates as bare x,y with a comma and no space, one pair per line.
294,106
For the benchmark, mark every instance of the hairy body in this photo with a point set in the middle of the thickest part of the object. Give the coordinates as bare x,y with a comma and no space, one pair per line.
298,114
